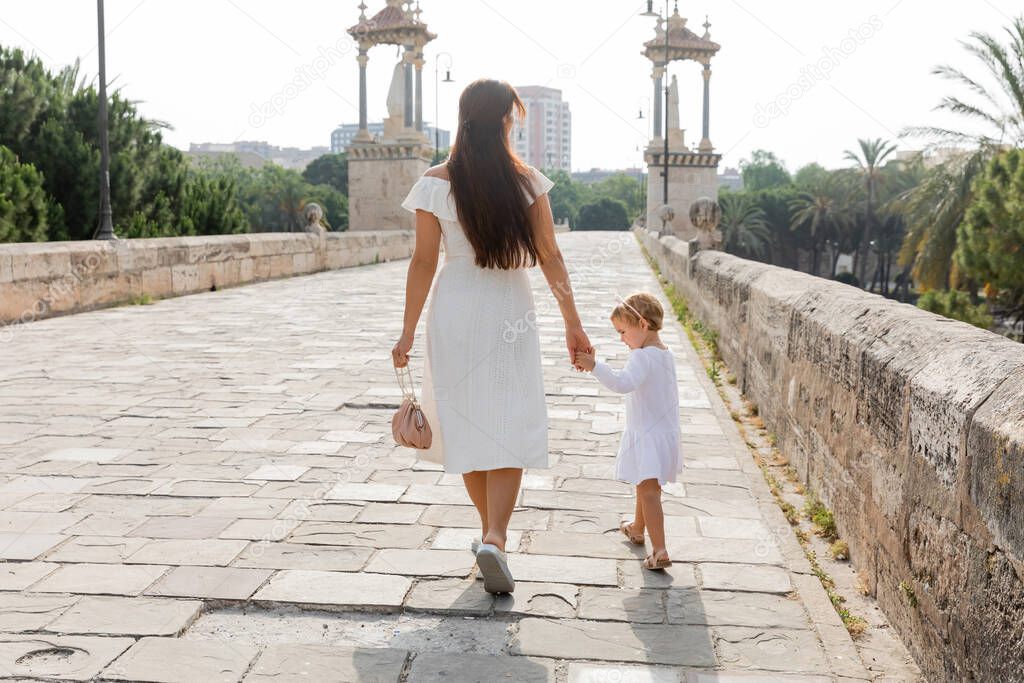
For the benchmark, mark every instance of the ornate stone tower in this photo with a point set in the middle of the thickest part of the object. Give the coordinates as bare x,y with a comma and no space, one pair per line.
382,171
692,173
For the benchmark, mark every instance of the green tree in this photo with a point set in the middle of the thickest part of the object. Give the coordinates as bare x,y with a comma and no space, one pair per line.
566,197
784,243
868,161
956,305
604,214
762,171
820,210
329,169
990,241
810,175
24,205
744,231
624,188
993,118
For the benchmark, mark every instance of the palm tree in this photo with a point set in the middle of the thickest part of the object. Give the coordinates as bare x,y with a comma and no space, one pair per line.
935,207
869,168
820,209
743,226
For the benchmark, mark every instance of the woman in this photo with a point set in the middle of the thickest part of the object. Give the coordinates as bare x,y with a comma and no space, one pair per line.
483,391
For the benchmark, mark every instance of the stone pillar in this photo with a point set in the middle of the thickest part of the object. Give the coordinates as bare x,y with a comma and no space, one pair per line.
705,143
408,86
419,91
363,134
656,75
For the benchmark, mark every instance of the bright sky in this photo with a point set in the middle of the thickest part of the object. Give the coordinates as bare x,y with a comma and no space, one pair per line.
206,66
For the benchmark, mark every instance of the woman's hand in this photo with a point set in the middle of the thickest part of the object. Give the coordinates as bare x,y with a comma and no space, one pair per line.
576,340
400,352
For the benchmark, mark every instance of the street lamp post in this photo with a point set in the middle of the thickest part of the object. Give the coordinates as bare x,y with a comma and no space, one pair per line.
644,181
105,229
437,99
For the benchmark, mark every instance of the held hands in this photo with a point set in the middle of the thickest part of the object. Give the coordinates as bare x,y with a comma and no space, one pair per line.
584,360
576,341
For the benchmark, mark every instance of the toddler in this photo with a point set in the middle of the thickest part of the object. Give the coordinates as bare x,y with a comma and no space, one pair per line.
650,453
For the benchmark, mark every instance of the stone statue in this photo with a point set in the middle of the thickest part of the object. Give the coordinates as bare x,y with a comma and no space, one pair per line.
675,133
705,214
396,93
314,214
673,104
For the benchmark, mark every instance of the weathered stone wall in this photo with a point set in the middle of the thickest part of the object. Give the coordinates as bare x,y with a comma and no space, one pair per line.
909,426
43,279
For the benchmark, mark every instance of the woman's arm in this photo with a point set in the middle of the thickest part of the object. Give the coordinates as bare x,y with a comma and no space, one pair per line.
422,267
628,378
552,264
557,275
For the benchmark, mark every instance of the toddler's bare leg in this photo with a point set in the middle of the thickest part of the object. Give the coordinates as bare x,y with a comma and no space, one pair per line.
639,524
649,495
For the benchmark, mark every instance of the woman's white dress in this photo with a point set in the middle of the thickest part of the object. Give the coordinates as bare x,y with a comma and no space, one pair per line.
483,386
651,447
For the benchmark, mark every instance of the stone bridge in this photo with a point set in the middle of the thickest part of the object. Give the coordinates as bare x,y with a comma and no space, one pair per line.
205,488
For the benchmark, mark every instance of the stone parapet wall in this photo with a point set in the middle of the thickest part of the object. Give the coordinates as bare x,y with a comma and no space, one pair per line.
42,279
909,427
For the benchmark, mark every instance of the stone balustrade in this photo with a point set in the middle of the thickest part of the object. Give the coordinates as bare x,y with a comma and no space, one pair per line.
42,279
909,427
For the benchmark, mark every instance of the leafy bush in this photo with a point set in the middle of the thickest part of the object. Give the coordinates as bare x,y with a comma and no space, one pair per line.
957,305
604,214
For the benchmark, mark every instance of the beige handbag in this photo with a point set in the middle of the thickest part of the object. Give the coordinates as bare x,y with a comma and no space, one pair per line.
409,424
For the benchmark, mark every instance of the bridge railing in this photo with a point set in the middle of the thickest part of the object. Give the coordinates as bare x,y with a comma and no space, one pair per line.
43,279
908,425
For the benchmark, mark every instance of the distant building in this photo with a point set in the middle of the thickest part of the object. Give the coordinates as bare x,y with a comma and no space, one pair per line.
341,137
730,178
545,141
248,150
598,174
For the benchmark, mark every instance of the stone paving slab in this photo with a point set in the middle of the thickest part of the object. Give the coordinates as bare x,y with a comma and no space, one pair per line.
27,612
171,660
68,658
473,668
335,588
127,616
294,662
624,642
234,459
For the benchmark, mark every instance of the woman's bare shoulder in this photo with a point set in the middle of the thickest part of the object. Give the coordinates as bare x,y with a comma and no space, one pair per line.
439,171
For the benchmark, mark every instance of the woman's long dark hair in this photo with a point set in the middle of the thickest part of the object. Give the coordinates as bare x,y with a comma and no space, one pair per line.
488,179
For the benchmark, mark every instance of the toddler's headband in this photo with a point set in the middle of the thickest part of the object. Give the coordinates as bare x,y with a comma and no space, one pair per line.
626,304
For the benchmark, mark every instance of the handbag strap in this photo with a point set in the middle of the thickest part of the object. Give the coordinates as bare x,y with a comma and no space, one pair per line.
407,391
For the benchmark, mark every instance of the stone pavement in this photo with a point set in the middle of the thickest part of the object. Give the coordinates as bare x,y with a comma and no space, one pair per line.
206,489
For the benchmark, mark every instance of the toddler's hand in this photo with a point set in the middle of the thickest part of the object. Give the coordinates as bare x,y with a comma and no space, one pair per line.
584,360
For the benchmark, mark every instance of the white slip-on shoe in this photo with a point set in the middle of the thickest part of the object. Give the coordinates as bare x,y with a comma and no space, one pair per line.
494,566
474,545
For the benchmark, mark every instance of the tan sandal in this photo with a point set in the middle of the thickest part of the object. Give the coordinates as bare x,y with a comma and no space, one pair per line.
651,563
624,528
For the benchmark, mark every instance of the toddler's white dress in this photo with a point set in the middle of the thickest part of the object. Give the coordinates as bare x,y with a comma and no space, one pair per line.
483,385
651,447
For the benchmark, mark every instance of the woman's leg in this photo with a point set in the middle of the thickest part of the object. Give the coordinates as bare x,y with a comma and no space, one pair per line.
649,495
502,492
476,487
